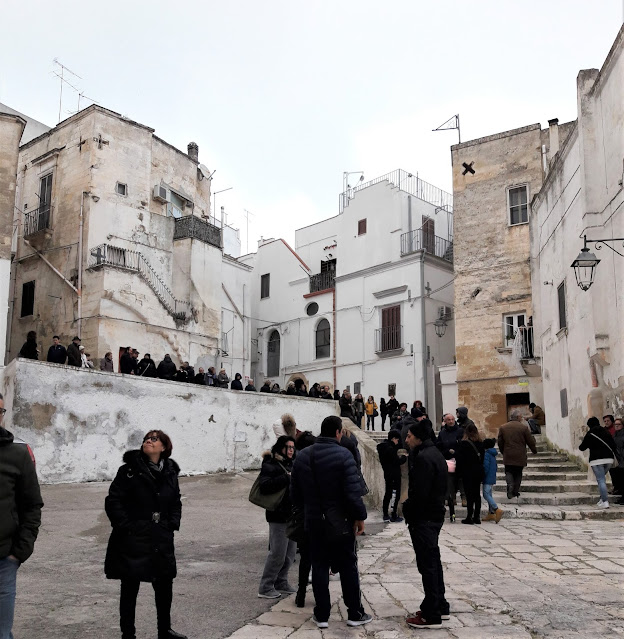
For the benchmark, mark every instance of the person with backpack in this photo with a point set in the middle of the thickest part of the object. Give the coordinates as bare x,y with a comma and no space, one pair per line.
489,479
391,461
469,458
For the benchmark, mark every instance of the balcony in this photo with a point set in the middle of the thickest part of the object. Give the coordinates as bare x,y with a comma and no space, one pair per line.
525,349
322,281
197,229
389,339
413,241
37,220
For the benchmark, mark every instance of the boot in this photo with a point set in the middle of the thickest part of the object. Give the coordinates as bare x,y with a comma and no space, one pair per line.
498,515
489,517
300,598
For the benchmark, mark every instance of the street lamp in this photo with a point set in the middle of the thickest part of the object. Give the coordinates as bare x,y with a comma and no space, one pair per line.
585,264
440,327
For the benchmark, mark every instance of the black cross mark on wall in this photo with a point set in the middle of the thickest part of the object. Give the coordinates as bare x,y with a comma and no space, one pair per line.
468,168
100,141
212,419
81,143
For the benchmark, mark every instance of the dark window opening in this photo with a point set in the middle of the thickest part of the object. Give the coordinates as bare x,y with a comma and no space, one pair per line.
121,189
517,400
323,339
562,305
273,356
45,192
357,387
563,398
265,285
312,308
361,227
28,299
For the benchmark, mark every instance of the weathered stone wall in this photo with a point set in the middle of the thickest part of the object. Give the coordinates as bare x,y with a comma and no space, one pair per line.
79,422
492,273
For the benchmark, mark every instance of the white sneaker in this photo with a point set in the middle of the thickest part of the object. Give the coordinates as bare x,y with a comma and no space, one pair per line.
600,503
603,504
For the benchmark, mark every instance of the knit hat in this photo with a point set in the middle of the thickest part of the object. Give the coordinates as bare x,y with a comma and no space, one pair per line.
394,434
420,430
416,412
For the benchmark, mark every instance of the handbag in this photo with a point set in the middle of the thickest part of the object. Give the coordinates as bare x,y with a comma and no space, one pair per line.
336,526
268,502
295,529
615,463
375,412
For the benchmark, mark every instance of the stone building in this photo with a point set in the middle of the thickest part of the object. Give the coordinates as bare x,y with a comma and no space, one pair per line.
113,243
579,332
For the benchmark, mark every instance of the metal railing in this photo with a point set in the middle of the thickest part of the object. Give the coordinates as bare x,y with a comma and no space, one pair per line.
407,182
322,281
389,338
107,255
198,229
524,346
413,241
37,220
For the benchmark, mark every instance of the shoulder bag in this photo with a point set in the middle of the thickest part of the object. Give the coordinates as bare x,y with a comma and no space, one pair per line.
268,502
615,463
478,454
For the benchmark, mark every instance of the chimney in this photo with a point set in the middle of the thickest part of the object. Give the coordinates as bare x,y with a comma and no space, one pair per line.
553,130
193,151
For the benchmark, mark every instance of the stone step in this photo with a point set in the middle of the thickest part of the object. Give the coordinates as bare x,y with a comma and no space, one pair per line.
551,487
549,499
556,475
557,512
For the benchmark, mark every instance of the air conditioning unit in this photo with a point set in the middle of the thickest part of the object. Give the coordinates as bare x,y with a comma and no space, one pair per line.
160,193
445,312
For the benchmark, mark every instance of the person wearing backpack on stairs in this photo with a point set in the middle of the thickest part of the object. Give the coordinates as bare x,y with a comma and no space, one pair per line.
490,467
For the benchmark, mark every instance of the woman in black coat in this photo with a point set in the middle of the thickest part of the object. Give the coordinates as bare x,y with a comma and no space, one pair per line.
469,458
275,477
29,350
236,382
144,509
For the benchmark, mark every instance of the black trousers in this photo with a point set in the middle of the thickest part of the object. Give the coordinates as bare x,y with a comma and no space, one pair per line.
342,557
305,563
392,484
163,594
617,477
472,487
513,476
425,537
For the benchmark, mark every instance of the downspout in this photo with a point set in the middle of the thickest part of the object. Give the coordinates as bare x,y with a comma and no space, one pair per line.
423,321
334,330
79,291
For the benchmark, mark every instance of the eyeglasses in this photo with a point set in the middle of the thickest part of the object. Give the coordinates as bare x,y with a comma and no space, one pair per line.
151,438
291,447
2,411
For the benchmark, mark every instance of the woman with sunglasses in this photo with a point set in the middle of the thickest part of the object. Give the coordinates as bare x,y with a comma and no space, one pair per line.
275,477
144,509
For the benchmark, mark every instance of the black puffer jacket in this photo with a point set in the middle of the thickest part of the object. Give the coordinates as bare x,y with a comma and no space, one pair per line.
273,478
335,482
20,499
389,458
449,438
139,546
166,369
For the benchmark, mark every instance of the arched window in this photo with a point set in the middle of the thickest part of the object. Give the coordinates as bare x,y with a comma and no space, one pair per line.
273,356
323,339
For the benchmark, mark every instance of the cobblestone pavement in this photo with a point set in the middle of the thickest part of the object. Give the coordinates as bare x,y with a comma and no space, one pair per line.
517,579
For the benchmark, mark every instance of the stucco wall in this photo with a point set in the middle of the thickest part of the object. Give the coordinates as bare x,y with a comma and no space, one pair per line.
79,422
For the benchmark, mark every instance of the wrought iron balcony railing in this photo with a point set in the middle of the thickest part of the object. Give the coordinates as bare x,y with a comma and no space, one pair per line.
322,281
524,346
389,338
198,229
413,241
37,220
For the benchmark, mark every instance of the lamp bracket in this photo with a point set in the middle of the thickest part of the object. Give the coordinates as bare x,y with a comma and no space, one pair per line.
605,242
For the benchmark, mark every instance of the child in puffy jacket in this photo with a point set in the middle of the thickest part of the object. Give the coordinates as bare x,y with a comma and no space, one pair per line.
490,467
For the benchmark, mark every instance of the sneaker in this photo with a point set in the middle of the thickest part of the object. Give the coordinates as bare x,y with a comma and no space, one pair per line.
272,594
396,519
498,515
286,588
320,624
418,621
362,618
603,504
445,616
386,518
452,518
599,503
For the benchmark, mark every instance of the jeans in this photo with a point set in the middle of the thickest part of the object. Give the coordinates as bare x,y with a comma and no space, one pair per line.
370,421
392,484
513,476
425,541
163,594
487,495
601,473
472,487
8,579
279,560
342,557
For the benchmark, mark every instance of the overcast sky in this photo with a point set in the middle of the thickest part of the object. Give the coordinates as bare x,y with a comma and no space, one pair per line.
283,96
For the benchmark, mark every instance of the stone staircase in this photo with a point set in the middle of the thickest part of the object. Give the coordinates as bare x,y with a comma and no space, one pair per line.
553,487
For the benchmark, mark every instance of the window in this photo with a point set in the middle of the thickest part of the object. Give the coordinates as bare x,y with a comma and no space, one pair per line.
273,355
265,285
428,234
563,398
362,227
175,208
312,308
562,305
390,333
518,202
323,339
511,323
28,299
45,192
357,387
121,189
392,389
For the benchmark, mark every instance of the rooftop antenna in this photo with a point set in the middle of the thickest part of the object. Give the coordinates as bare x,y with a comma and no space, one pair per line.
451,123
247,214
61,76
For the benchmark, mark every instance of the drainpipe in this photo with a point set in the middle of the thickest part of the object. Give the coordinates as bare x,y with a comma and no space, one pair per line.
423,320
80,233
334,329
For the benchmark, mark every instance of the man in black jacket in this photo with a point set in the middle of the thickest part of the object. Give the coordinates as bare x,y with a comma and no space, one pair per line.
73,353
424,512
146,367
392,405
326,484
127,363
20,517
57,353
166,369
391,464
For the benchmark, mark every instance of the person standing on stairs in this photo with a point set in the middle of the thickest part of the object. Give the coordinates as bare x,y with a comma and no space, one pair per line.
601,456
469,458
489,479
513,439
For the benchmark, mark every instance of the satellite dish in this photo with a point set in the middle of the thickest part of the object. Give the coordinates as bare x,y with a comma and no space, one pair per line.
205,171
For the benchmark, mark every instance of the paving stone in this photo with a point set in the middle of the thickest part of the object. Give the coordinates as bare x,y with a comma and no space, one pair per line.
287,619
491,632
254,631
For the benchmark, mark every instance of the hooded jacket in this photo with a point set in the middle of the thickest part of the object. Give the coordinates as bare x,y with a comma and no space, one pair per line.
490,466
20,499
166,369
462,419
146,367
273,478
428,485
236,382
144,508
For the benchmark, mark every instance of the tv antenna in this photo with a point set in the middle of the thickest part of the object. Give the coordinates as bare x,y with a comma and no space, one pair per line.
247,214
451,123
60,73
